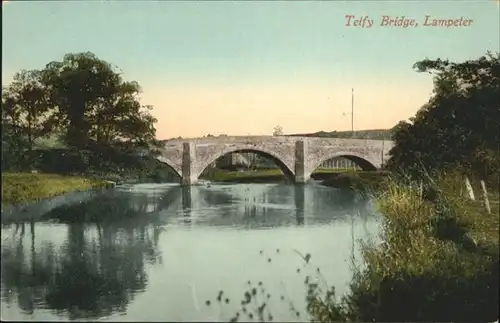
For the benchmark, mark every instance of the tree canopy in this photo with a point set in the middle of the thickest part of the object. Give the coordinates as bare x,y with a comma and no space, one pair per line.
84,99
459,125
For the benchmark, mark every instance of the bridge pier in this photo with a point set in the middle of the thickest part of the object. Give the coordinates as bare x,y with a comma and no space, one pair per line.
300,161
189,176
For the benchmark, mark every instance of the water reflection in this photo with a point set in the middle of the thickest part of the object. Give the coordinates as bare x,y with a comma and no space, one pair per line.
300,196
90,259
96,270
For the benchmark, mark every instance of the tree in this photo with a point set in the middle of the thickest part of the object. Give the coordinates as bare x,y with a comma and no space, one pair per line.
24,107
86,100
459,124
95,106
278,131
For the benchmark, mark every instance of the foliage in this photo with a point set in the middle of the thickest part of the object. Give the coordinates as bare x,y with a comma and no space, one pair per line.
94,103
26,187
13,148
109,163
278,131
460,123
434,257
24,104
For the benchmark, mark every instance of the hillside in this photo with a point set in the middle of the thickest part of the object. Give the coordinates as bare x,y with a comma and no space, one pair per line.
359,134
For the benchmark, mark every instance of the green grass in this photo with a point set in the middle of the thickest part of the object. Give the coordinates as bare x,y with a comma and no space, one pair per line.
26,187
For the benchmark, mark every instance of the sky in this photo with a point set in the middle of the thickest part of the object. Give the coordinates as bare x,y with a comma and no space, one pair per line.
244,67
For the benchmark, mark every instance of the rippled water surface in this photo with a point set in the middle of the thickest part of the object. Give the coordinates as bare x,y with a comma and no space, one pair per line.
158,252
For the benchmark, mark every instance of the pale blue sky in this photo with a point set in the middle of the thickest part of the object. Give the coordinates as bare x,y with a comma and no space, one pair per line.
243,67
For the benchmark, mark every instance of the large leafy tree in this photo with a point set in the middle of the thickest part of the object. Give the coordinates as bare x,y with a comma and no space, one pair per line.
95,105
460,123
87,101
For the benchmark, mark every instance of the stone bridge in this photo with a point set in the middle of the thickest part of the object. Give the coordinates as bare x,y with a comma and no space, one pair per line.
297,157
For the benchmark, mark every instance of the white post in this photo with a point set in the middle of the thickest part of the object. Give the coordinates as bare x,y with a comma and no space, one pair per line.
485,197
468,186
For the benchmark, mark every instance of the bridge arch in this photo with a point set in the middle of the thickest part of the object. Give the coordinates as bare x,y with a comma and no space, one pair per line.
286,169
358,159
171,165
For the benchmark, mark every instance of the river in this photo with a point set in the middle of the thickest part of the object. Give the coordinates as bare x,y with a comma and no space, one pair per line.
159,252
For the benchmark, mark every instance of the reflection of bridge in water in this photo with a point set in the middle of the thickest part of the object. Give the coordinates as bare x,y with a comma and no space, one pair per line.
274,204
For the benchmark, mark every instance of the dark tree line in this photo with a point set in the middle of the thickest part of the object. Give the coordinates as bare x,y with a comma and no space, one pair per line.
460,124
83,101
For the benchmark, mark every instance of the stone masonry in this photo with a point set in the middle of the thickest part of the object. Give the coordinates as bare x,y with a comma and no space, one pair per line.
297,157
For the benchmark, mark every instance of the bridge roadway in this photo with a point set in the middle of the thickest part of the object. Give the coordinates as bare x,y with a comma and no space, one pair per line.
297,157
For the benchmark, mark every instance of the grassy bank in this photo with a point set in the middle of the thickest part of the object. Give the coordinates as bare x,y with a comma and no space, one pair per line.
26,187
438,260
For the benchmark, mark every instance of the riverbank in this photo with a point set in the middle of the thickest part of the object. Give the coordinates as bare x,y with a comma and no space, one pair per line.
272,175
28,187
359,181
439,253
